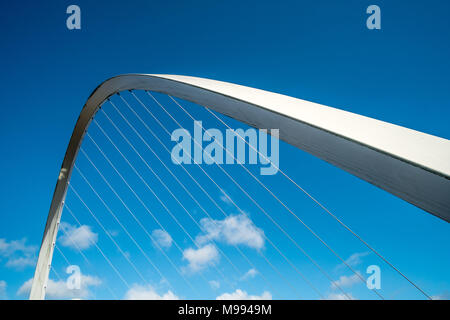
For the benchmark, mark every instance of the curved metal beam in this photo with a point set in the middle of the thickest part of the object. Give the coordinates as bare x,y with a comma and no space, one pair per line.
409,164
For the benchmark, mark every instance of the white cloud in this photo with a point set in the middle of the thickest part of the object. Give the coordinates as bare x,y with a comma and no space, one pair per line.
59,289
214,284
234,230
138,292
354,260
113,233
16,246
249,274
201,258
77,237
340,296
243,295
3,286
162,238
345,281
442,296
21,262
225,198
17,253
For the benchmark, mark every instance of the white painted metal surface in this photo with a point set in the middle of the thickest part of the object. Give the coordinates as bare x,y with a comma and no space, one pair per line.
412,165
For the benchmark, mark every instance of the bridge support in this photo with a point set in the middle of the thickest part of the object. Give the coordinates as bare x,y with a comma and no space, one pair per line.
411,165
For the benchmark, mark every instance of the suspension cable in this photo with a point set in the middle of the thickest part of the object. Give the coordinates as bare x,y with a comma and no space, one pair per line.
274,268
237,184
276,248
173,175
134,216
320,205
80,252
159,179
164,278
281,202
109,235
100,250
134,192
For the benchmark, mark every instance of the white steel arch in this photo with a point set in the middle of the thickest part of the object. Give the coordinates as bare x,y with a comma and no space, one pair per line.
409,164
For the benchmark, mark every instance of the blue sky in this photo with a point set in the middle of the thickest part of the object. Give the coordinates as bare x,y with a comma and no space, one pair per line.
320,51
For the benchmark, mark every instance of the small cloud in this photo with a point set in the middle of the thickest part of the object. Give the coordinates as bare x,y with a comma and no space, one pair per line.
340,296
3,286
162,238
7,249
74,237
138,292
249,274
233,230
242,295
443,296
345,281
113,233
225,198
214,284
354,260
201,258
17,253
21,262
60,290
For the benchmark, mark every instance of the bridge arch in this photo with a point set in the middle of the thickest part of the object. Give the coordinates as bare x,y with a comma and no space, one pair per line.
411,165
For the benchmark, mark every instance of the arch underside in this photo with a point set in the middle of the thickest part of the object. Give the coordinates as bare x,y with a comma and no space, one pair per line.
411,165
